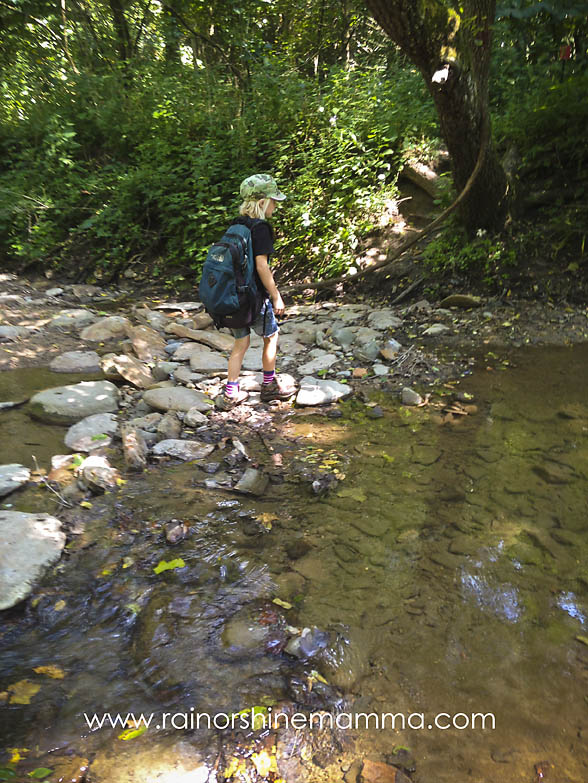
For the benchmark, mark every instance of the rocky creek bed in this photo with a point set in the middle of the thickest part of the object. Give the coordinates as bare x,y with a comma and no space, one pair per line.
407,536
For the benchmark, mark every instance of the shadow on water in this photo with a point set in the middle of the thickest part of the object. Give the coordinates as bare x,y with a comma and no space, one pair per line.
449,567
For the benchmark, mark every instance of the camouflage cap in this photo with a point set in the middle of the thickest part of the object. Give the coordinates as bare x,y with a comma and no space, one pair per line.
260,186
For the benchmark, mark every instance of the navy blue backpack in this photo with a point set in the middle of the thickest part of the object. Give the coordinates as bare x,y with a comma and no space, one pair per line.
228,287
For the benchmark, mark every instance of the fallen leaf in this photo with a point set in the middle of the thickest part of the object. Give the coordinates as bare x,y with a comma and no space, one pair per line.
283,604
60,605
85,504
40,773
169,565
266,519
129,734
23,691
51,671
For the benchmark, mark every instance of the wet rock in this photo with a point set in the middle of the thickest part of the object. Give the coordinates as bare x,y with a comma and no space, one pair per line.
369,351
320,363
68,769
177,399
68,404
377,772
76,361
553,473
147,761
93,432
108,328
97,475
183,449
72,319
12,477
176,531
436,329
135,447
148,422
170,426
194,418
461,300
320,392
375,412
148,344
244,634
425,455
410,397
13,333
133,371
252,482
163,370
29,544
391,349
297,549
383,319
310,643
464,545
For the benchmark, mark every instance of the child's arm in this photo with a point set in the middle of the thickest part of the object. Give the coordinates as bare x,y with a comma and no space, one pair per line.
267,278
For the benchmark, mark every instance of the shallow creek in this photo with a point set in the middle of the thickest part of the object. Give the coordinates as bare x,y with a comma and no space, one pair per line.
449,567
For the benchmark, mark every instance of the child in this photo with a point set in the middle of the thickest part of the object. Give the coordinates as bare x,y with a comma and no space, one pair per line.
260,195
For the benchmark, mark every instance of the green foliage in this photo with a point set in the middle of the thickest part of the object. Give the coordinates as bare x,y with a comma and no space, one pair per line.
148,176
485,259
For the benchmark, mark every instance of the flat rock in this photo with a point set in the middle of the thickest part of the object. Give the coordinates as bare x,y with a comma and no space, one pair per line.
207,361
54,292
216,340
93,432
108,328
344,336
320,392
177,398
436,329
29,543
163,370
410,397
186,306
380,369
76,361
183,352
183,449
133,371
252,482
148,422
185,375
369,351
148,344
383,319
12,477
68,404
320,363
72,319
461,300
13,332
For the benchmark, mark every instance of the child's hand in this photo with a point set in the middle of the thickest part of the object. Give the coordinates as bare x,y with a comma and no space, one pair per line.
278,304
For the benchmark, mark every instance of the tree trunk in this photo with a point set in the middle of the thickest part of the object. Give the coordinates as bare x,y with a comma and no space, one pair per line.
121,28
452,52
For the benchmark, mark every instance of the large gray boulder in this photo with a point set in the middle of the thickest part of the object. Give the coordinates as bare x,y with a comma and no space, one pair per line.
106,328
12,477
68,404
93,432
29,543
72,319
76,361
177,398
320,392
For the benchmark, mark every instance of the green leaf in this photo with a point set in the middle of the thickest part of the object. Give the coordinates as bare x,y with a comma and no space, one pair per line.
129,734
6,773
169,565
99,436
40,773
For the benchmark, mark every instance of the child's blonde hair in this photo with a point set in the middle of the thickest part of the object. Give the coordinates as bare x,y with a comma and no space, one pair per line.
255,208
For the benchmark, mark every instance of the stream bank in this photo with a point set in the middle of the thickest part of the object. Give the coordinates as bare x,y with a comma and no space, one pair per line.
435,553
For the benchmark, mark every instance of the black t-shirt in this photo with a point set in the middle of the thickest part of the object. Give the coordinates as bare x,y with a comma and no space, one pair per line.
262,240
262,235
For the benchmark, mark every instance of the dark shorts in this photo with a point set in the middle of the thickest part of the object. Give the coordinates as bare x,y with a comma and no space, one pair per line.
265,325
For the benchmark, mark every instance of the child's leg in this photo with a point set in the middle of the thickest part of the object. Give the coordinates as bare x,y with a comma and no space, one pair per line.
268,357
236,358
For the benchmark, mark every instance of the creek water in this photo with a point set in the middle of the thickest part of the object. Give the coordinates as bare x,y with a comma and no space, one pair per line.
449,568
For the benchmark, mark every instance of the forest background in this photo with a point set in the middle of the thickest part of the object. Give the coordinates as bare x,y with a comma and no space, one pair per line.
126,127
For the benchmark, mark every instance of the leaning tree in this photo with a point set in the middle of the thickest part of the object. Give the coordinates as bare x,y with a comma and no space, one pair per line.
450,44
